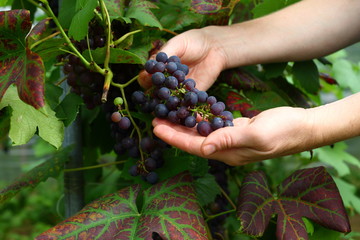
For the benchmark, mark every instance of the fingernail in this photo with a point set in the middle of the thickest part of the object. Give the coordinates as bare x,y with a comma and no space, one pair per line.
209,149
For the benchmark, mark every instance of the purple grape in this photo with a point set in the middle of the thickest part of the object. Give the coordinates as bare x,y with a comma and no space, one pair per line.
226,115
158,79
182,112
150,164
171,82
204,128
190,99
152,177
171,67
159,67
164,93
133,171
149,66
147,144
161,57
67,68
189,83
228,123
172,116
174,59
172,102
124,123
118,149
211,100
138,97
202,96
190,121
128,142
134,152
182,67
180,75
217,123
217,108
161,111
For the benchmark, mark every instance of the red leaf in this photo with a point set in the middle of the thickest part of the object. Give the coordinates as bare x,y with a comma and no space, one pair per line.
235,102
206,6
18,64
38,31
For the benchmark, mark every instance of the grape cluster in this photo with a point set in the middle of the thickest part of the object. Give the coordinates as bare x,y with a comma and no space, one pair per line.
176,98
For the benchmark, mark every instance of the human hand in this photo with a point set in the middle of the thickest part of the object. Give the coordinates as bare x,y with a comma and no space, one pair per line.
198,49
273,133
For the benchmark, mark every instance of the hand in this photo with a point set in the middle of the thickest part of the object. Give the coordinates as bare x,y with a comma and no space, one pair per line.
197,49
273,133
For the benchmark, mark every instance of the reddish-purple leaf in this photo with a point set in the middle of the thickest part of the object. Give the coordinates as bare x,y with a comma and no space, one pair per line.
235,102
255,205
310,193
38,31
206,6
169,211
18,64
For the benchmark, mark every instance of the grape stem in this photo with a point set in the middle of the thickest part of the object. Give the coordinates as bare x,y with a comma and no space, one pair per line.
44,39
120,40
94,166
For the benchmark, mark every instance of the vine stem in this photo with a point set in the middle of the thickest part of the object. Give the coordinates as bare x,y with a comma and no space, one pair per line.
120,40
44,39
94,166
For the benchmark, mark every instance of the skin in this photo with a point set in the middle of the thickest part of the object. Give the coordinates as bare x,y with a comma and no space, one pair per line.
306,30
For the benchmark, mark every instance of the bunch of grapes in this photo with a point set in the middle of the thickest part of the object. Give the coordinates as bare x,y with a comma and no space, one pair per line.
176,98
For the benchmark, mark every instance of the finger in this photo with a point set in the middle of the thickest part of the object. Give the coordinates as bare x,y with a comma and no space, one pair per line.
186,139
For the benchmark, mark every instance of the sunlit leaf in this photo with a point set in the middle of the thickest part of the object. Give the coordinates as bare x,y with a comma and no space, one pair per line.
116,56
169,211
115,8
50,168
306,75
141,11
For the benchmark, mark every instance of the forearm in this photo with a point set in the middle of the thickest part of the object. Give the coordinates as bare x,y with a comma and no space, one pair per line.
305,30
336,121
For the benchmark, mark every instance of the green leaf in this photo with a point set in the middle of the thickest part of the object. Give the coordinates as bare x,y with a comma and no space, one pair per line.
141,11
50,168
18,64
26,121
307,76
206,6
68,109
116,56
273,70
265,100
338,158
169,210
207,189
5,115
79,24
115,8
348,194
269,6
66,12
346,75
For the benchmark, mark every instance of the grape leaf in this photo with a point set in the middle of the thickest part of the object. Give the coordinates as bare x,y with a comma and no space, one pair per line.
310,193
306,75
26,121
206,6
115,8
38,31
266,7
68,109
18,64
141,11
50,168
348,193
207,189
169,210
79,23
66,13
116,56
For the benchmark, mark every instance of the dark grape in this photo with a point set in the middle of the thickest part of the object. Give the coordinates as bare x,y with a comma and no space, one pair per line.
202,96
150,164
217,123
226,115
171,67
190,121
216,108
152,177
171,82
172,116
174,59
211,100
204,128
147,144
74,60
182,67
118,148
158,79
67,68
161,111
161,57
180,75
134,152
159,67
133,171
190,99
228,123
149,66
189,83
124,123
172,102
138,97
164,93
182,112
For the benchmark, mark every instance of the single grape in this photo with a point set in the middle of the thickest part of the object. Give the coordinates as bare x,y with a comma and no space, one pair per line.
152,177
189,83
217,123
216,108
172,102
174,59
164,93
118,101
116,117
222,104
150,164
171,82
124,123
159,67
173,117
182,67
138,97
147,144
180,75
149,66
228,123
204,128
72,79
190,99
99,41
171,67
118,149
226,115
161,57
211,100
158,79
202,96
190,121
67,68
134,152
156,154
182,112
128,142
133,171
161,111
74,60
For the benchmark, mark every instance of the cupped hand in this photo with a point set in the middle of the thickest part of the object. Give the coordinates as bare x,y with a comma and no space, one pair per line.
198,49
273,133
